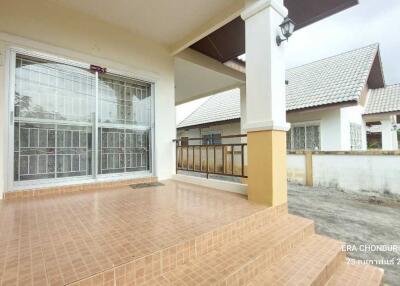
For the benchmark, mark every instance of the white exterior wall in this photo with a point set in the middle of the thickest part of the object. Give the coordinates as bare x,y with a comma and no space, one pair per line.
67,34
387,128
389,133
358,173
232,128
352,114
330,126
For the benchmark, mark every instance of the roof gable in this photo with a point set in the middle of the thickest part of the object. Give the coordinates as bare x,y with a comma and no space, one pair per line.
220,107
337,79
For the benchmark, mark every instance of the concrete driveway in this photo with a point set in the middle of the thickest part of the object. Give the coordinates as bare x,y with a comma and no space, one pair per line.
365,222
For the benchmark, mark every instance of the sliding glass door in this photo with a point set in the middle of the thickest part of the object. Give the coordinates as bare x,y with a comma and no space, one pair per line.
55,131
124,125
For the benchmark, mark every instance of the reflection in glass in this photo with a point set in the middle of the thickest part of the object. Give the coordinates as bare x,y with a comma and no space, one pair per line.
54,109
124,125
53,104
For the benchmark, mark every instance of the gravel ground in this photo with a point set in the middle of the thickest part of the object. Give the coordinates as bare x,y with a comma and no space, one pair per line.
357,220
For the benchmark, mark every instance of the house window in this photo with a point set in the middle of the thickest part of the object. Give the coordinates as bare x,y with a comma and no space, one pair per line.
374,135
304,137
398,130
398,138
184,141
355,136
288,140
213,138
55,128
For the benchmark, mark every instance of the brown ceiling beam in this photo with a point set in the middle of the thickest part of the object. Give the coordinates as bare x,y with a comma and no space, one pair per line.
228,42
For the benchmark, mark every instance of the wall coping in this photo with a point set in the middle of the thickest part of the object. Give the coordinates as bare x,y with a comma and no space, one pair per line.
353,153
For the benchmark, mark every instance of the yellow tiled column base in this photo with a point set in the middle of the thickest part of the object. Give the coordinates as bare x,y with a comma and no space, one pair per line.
29,193
267,178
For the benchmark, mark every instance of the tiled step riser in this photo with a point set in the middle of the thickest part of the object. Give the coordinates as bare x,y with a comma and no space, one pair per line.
330,269
142,269
311,263
262,261
238,230
349,275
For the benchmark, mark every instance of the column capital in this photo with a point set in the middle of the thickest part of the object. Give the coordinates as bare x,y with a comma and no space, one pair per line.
260,5
267,126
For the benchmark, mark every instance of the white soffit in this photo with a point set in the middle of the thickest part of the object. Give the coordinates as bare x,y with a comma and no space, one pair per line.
164,21
194,81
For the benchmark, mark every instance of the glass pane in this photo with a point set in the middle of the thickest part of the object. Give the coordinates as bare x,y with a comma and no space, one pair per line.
289,139
312,133
299,138
54,106
124,125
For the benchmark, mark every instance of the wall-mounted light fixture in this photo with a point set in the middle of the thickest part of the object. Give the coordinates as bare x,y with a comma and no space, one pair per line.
287,28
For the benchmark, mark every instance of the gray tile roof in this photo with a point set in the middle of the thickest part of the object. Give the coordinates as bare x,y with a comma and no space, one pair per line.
219,107
336,79
382,100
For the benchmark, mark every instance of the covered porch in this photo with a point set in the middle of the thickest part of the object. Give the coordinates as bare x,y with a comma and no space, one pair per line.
89,96
171,233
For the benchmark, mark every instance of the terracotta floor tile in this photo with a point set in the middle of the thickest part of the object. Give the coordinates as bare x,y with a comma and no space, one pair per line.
57,240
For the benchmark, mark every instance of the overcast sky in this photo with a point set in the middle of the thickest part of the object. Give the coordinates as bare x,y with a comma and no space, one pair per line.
372,21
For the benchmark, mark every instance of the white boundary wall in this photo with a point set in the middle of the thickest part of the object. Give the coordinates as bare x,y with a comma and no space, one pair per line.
358,173
296,169
348,171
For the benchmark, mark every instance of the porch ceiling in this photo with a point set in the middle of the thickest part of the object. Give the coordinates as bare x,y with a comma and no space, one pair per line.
163,21
228,42
198,76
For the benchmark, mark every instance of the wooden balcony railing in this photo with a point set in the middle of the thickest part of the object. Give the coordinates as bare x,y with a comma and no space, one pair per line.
228,158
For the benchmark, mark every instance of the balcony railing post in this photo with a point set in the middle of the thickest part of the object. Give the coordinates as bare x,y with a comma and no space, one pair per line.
177,162
223,159
193,165
207,160
242,159
232,147
214,159
187,157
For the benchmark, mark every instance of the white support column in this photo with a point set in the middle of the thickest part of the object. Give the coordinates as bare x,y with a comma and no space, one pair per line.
243,110
265,66
265,102
389,134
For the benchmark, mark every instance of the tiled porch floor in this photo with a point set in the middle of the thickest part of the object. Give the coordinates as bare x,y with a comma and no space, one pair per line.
61,239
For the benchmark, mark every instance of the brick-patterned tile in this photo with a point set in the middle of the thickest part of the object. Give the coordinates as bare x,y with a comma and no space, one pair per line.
356,275
62,239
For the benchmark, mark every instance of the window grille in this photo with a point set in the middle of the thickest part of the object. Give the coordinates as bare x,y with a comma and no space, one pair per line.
125,124
299,138
304,137
289,139
312,137
212,139
355,136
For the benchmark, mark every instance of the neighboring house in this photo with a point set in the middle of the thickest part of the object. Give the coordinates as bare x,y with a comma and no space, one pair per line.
332,104
383,113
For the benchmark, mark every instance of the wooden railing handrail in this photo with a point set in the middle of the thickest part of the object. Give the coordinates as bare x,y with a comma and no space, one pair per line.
222,137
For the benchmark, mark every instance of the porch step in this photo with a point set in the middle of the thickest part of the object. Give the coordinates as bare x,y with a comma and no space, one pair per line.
356,275
311,262
237,262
